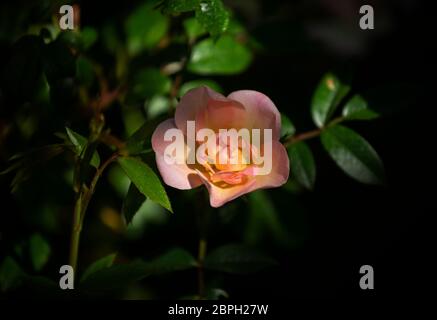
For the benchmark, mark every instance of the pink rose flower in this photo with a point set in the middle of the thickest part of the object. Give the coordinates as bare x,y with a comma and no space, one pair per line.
225,181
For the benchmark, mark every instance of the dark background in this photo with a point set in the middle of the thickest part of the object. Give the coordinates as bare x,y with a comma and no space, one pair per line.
342,224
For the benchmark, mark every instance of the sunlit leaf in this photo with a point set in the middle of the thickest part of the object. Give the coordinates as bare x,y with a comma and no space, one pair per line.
237,259
145,27
357,109
178,6
197,83
224,56
326,98
353,154
193,29
157,106
80,142
213,16
303,164
145,180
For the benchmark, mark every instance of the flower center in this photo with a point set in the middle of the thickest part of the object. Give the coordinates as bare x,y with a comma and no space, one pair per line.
231,161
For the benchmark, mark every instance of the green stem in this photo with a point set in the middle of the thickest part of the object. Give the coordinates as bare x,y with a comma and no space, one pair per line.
302,136
310,134
203,217
83,198
75,233
200,269
90,191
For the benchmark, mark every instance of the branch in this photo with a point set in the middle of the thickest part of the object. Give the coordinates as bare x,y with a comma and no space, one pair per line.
310,134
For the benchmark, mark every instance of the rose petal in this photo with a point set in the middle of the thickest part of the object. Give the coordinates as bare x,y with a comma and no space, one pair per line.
280,168
222,115
261,110
219,196
192,102
158,142
179,176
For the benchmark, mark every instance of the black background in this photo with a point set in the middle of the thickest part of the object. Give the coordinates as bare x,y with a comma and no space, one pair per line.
347,224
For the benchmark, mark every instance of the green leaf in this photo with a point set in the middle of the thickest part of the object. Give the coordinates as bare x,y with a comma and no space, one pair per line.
302,164
178,6
213,16
264,220
12,277
145,180
287,127
121,275
144,28
236,28
197,83
223,57
88,37
357,109
237,259
80,142
98,265
10,274
81,41
132,203
216,294
326,99
118,180
139,141
26,162
39,251
157,106
174,260
149,82
353,154
70,38
84,71
193,29
115,276
150,214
